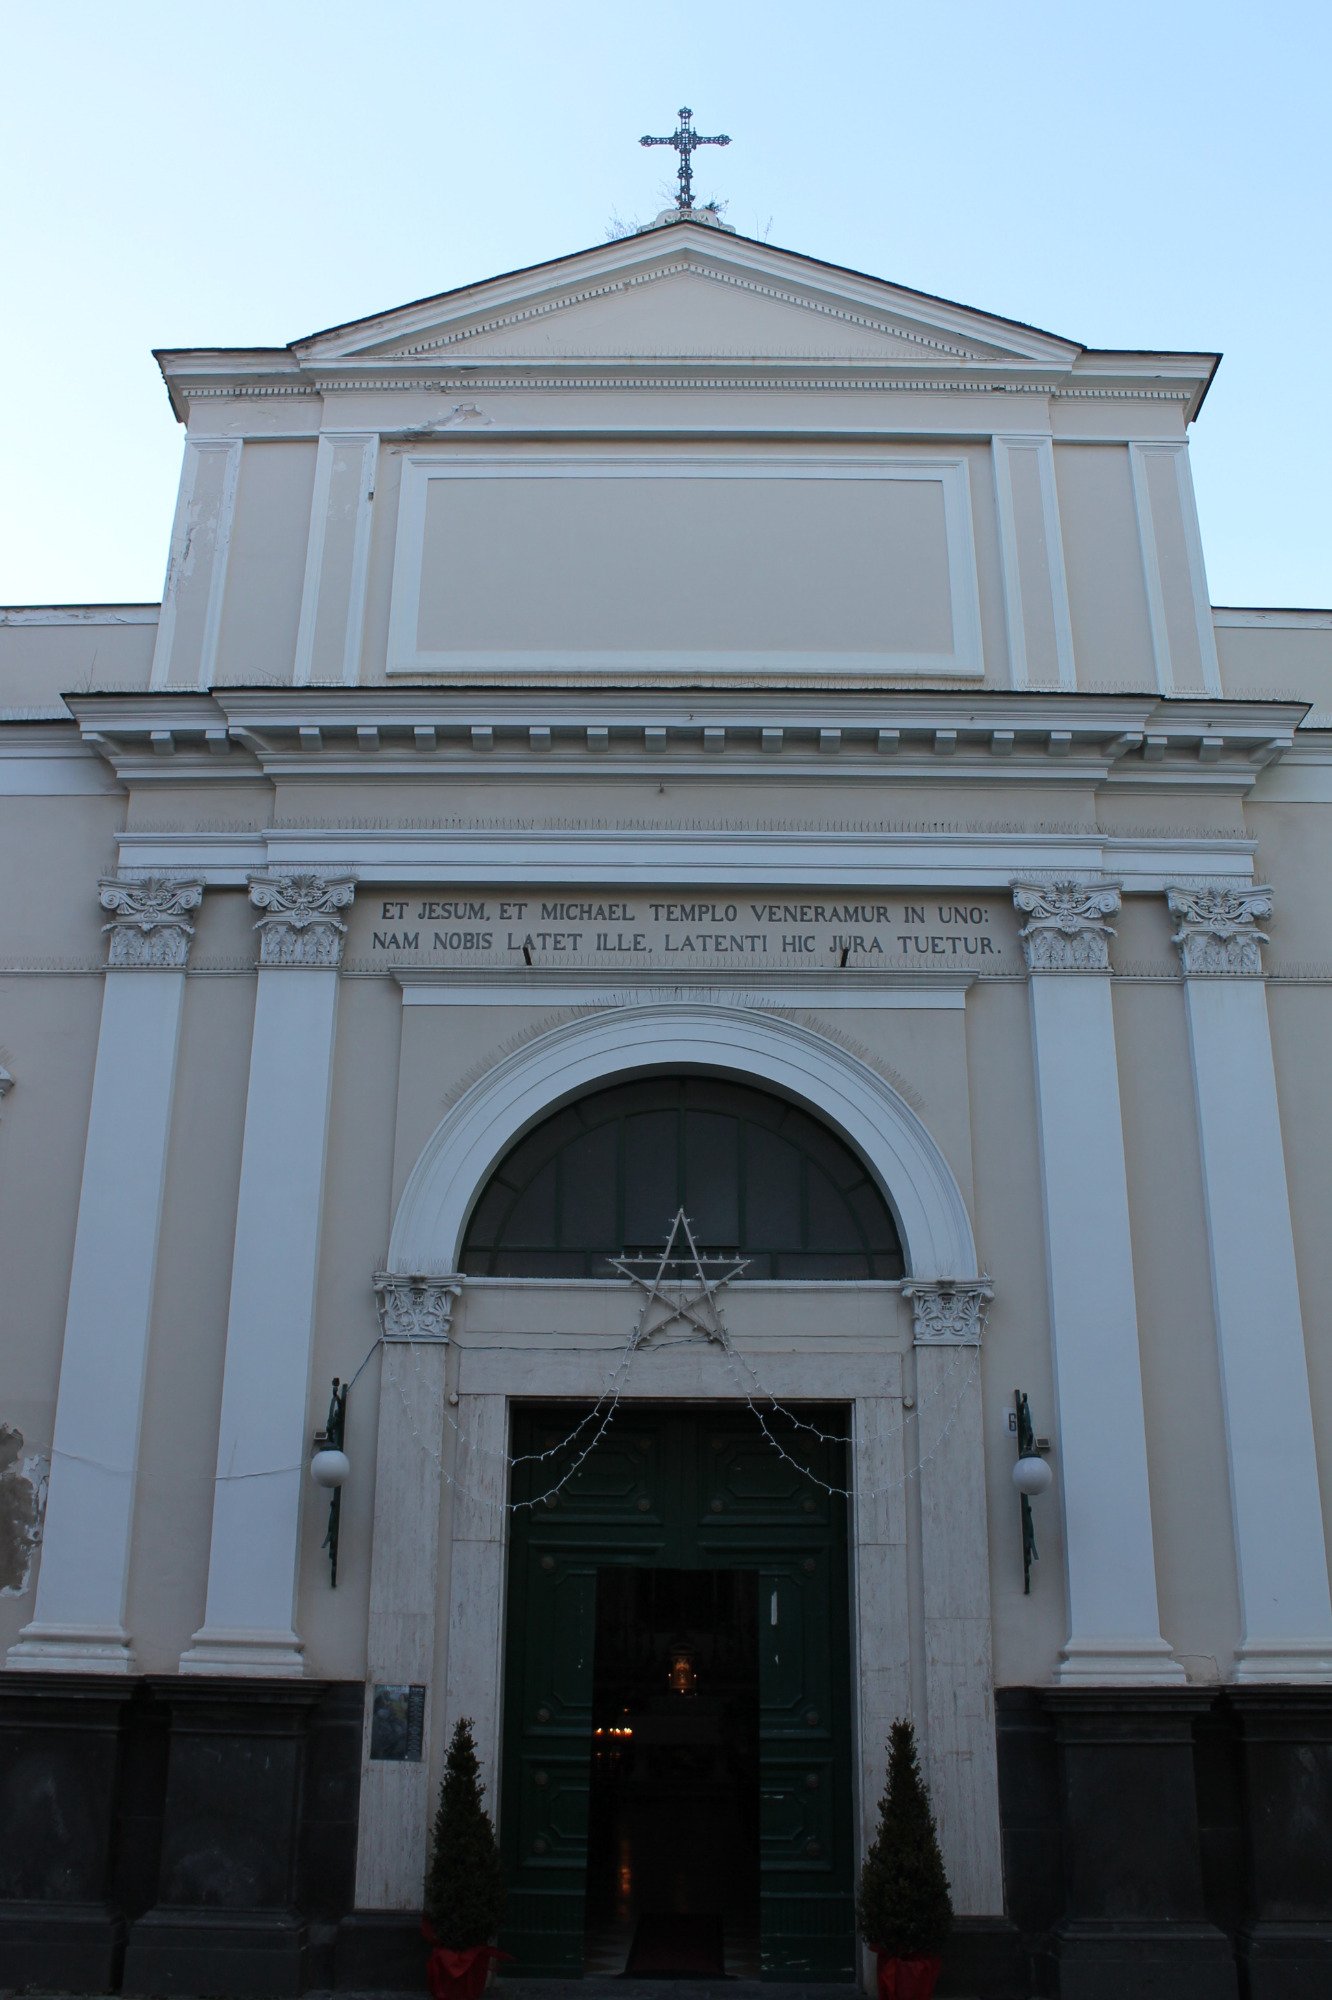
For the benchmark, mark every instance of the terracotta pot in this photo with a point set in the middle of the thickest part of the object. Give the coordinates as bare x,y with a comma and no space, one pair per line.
907,1978
458,1975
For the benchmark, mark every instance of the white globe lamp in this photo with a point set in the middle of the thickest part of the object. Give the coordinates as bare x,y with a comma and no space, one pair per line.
1032,1475
330,1468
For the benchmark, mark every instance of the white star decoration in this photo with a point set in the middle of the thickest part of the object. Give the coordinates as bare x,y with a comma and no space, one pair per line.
691,1298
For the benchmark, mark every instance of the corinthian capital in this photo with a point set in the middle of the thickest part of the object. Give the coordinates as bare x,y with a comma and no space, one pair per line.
150,927
1066,929
413,1308
300,924
949,1313
1218,926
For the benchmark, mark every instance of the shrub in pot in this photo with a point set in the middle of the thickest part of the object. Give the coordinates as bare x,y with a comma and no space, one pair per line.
903,1907
464,1884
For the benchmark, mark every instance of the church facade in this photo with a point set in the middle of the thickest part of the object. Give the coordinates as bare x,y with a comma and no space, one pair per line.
687,892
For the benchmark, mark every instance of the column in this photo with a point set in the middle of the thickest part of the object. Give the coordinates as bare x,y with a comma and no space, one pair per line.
1285,1615
1115,1633
261,1450
79,1624
955,1569
414,1316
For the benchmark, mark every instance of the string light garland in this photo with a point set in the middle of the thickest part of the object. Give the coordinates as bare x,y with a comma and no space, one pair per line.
687,1297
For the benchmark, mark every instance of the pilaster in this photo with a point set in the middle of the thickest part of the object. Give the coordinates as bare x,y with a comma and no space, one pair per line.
474,1672
78,1624
190,625
949,1320
252,1566
881,1601
415,1317
328,639
1281,1555
1115,1635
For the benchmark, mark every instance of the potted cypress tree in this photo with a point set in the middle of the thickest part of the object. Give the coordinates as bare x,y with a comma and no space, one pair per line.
903,1908
464,1884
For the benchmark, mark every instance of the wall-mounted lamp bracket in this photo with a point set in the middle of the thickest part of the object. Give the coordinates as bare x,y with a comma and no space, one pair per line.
1031,1475
329,1466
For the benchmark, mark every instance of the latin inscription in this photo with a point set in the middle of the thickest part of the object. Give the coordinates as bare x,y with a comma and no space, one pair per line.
816,933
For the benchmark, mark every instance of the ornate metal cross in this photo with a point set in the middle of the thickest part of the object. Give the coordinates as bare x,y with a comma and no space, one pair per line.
684,140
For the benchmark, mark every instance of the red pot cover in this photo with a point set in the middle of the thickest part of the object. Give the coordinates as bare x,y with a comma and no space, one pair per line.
458,1975
907,1978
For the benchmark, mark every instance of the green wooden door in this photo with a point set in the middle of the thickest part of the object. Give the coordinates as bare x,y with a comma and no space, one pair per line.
682,1489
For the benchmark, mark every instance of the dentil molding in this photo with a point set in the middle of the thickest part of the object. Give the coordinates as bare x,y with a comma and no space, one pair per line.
414,1308
1066,929
300,925
948,1314
1218,926
150,928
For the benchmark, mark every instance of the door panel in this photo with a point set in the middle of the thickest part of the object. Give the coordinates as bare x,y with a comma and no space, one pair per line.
682,1489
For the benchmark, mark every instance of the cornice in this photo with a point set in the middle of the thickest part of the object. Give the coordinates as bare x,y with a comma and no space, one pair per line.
651,376
80,614
783,857
911,736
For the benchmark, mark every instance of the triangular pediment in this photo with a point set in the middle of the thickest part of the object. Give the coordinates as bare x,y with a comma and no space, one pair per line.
689,292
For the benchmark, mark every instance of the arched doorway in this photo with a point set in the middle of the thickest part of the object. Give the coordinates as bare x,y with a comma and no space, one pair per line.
906,1378
677,1796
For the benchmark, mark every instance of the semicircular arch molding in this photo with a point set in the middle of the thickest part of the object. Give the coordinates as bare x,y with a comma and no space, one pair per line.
798,1063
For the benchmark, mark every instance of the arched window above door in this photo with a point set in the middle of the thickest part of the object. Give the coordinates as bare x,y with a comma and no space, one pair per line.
755,1174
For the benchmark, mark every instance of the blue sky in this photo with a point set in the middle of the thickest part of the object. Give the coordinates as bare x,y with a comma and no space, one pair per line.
1126,175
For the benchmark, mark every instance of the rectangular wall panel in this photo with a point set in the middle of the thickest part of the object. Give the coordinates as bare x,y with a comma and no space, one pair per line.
657,564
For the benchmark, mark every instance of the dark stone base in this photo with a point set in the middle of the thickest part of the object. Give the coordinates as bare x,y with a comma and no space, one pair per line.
1287,1961
985,1955
74,1947
217,1952
379,1951
175,1835
199,1837
1110,1961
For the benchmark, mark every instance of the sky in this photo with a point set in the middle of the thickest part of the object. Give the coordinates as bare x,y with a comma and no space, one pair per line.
1126,175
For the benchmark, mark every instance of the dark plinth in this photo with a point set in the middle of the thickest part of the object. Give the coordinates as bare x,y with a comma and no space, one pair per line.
60,1771
380,1951
1030,1827
217,1951
1135,1917
258,1836
1285,1761
985,1955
